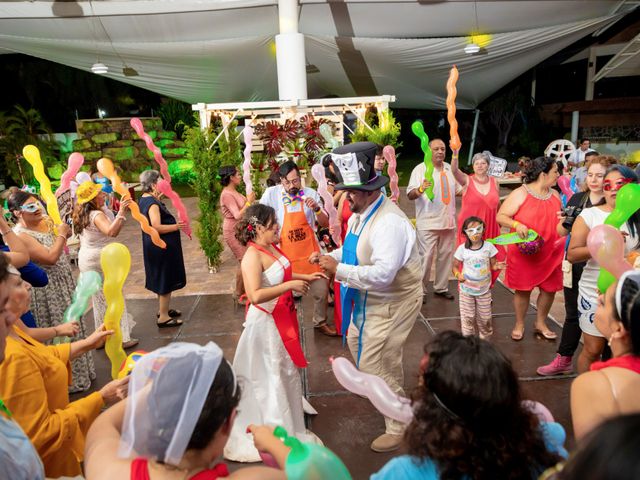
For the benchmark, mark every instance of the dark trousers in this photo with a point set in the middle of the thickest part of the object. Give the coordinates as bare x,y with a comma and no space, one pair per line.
571,333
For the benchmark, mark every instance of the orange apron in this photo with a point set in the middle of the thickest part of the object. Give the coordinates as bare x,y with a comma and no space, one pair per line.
298,241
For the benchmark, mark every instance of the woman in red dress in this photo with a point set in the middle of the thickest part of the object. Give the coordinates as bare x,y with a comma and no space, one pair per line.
480,198
232,205
534,205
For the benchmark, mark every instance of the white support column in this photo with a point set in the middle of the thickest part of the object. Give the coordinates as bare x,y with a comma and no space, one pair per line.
591,73
575,123
290,54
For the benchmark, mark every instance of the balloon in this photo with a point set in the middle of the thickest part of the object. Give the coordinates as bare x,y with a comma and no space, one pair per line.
327,134
374,388
83,177
389,154
606,246
164,187
88,285
454,142
105,167
418,130
32,155
127,366
73,165
513,237
136,124
115,261
308,461
317,171
246,166
564,183
542,412
627,203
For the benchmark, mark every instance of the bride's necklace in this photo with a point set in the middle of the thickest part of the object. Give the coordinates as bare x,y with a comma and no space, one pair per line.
539,196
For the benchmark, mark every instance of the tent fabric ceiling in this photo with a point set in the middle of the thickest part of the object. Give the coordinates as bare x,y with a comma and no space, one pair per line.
224,50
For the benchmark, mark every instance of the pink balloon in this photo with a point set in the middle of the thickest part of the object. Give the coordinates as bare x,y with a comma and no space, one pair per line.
542,412
136,124
564,183
246,165
389,154
268,460
74,163
606,245
317,171
164,187
374,388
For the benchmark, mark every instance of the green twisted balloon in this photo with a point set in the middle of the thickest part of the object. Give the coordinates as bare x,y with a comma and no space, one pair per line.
418,130
89,283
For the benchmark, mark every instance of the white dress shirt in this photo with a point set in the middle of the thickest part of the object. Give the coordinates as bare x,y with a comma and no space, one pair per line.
577,156
391,238
272,197
434,215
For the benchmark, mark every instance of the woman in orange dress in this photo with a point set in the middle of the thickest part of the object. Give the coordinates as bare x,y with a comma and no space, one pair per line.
534,205
233,204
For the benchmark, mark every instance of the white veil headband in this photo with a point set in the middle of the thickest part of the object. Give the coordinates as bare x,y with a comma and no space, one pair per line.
167,391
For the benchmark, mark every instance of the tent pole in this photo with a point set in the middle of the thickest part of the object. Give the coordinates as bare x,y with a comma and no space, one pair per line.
473,136
290,55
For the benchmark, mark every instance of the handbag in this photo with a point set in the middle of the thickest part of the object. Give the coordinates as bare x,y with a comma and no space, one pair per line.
567,267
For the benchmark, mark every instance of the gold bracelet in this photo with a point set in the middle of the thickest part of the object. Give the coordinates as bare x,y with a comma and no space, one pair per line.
514,224
420,190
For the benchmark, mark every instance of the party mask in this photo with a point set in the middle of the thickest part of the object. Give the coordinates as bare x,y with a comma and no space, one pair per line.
473,231
609,186
30,207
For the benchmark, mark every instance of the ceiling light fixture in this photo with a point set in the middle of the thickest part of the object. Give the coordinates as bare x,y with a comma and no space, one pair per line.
472,47
99,68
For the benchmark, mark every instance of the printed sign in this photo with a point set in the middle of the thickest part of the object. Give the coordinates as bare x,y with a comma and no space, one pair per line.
497,165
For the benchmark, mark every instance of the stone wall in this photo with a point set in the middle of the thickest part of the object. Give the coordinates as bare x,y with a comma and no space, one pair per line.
114,138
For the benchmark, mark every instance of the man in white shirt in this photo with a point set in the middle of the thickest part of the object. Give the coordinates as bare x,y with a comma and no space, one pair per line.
297,209
577,158
436,220
379,269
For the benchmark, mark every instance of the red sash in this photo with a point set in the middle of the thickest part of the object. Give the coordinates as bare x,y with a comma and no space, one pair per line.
285,315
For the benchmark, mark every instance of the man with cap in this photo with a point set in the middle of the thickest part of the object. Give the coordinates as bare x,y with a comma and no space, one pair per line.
297,210
436,219
379,269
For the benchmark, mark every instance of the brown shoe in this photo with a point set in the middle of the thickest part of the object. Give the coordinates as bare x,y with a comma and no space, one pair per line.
325,329
387,442
131,343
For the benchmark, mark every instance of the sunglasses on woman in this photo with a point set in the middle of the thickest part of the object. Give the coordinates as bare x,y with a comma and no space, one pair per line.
609,186
30,207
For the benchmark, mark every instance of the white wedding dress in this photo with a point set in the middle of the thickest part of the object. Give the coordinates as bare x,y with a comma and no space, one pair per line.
270,384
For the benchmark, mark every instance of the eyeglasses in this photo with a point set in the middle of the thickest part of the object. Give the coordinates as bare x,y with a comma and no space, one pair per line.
295,181
471,231
609,186
30,207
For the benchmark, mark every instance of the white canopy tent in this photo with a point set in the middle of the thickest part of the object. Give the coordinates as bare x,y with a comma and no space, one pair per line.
224,50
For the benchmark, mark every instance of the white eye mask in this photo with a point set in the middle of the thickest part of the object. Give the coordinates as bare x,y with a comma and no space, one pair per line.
473,231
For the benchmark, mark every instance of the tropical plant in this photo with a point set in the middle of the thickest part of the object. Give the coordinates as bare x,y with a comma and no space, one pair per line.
176,115
25,127
207,160
386,132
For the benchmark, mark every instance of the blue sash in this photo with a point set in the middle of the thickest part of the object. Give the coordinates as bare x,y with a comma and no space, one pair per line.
353,303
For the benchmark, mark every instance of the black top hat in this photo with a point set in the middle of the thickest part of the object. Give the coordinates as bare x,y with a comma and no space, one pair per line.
354,167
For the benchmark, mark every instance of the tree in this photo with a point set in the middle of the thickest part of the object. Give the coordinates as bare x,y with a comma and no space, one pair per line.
505,109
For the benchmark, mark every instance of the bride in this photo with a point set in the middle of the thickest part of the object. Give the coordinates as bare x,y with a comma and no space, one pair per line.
269,352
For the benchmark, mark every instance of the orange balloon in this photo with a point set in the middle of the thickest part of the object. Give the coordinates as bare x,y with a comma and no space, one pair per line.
106,168
454,142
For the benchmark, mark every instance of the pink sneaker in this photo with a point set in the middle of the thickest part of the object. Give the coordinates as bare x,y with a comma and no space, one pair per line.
560,365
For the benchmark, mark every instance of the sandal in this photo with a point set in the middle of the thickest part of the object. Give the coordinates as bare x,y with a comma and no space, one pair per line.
173,322
517,335
546,334
172,313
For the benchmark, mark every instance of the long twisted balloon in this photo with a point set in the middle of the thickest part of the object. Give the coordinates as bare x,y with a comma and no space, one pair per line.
105,167
246,166
89,283
167,189
32,155
317,171
73,166
454,142
115,260
389,154
327,134
418,130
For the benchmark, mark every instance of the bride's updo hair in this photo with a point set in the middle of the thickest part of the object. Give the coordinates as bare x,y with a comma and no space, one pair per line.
255,215
532,168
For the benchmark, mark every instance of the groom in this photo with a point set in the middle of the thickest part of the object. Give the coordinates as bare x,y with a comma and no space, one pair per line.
380,272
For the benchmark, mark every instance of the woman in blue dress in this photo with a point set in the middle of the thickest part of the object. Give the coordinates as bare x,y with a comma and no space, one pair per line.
164,267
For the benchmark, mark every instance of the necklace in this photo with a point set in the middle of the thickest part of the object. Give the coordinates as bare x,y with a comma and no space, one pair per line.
539,196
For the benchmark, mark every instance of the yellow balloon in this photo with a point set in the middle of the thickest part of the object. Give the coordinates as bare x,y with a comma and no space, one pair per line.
115,260
32,155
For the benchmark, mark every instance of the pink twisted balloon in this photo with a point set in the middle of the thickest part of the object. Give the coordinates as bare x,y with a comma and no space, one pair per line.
164,187
246,166
317,171
73,166
389,154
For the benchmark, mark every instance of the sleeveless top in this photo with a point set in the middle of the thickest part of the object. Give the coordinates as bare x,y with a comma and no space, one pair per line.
140,471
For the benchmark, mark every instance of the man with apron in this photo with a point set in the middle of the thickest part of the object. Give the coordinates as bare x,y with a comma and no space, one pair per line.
297,210
380,269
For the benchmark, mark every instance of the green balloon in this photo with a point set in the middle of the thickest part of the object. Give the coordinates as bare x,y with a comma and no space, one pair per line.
605,280
88,285
627,203
513,237
308,461
418,130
